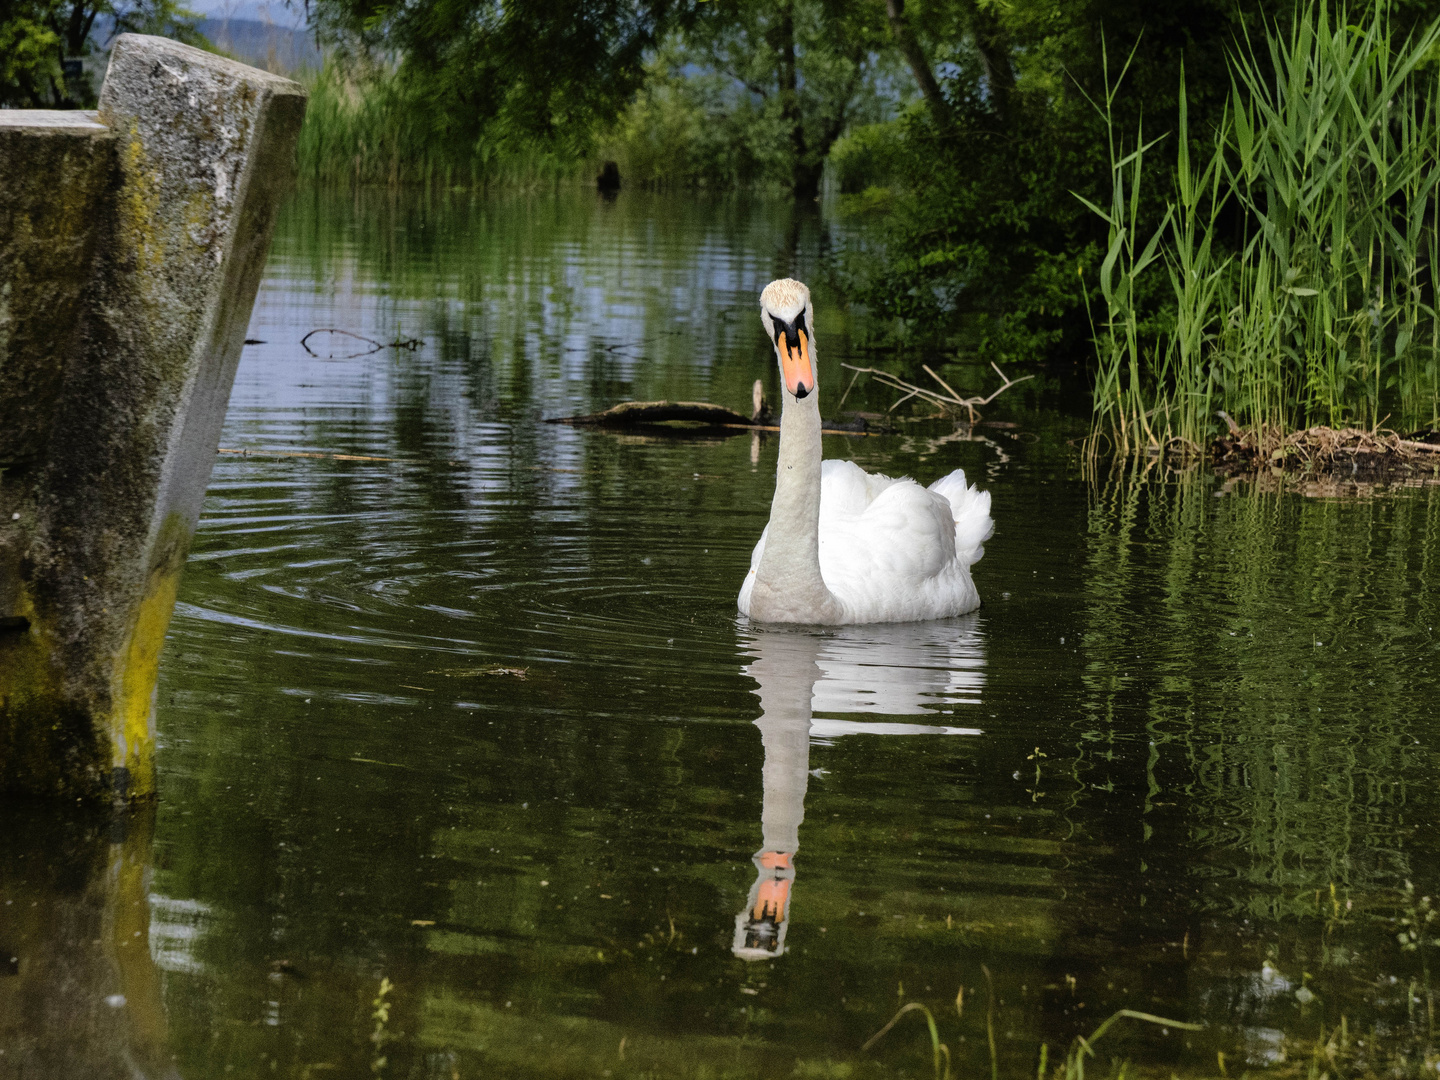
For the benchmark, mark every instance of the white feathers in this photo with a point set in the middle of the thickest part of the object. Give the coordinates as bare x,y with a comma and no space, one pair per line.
784,297
892,551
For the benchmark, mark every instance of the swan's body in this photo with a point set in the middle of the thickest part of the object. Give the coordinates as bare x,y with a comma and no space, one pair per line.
843,545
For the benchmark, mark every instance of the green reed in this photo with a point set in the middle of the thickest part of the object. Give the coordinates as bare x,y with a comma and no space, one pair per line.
1071,1068
1319,308
369,127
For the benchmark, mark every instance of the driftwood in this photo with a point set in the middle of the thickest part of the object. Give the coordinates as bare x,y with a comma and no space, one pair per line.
637,413
653,414
656,415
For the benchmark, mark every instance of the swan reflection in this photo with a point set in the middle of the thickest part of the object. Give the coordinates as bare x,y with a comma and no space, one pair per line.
905,669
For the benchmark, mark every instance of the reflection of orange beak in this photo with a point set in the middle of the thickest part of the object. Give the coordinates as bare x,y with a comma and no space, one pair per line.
775,860
795,362
760,926
771,900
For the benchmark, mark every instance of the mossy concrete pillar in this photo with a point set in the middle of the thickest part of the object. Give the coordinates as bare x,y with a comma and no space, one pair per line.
132,240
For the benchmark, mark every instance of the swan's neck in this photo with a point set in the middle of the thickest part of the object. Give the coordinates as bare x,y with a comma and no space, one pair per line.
787,672
788,586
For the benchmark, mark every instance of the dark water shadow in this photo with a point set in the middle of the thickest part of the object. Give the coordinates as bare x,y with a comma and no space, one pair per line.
80,993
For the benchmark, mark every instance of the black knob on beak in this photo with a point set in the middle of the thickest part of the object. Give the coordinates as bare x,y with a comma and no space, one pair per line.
801,391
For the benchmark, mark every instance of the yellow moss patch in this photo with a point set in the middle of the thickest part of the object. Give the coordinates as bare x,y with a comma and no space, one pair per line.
133,722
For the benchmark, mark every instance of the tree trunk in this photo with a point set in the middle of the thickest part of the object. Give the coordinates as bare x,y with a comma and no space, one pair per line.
919,63
994,53
805,174
806,179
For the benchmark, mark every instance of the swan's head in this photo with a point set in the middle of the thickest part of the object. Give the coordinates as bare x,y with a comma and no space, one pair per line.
789,323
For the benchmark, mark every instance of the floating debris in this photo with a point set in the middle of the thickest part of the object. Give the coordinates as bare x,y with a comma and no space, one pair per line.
697,418
408,344
639,413
1328,450
471,673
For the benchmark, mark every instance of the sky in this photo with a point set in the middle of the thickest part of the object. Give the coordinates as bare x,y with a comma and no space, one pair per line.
276,12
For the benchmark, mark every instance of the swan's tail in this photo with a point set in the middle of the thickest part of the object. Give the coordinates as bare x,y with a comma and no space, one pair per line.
970,507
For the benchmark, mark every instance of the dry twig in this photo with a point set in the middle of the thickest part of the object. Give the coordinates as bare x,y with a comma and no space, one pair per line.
946,398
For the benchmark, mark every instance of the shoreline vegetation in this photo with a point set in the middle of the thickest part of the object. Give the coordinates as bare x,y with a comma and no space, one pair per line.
1234,243
366,125
1275,307
1300,256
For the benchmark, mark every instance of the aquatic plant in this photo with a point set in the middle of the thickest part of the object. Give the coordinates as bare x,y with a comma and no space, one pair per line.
1072,1068
379,1036
1300,252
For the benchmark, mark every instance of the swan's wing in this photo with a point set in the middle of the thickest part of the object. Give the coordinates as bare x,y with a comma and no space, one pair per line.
882,540
744,600
848,490
970,508
888,547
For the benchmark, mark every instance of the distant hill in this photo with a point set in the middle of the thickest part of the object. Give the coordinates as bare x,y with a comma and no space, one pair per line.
281,49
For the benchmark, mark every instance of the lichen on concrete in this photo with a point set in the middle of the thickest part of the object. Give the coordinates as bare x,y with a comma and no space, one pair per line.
131,246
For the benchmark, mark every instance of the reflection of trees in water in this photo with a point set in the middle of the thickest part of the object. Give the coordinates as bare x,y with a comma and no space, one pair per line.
1280,650
560,302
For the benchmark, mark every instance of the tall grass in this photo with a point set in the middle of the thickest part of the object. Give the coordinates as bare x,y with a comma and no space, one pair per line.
1300,251
370,128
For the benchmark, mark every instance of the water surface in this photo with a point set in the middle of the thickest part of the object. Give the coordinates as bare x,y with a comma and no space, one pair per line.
459,700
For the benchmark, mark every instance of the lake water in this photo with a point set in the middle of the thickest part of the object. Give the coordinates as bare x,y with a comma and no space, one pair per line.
460,700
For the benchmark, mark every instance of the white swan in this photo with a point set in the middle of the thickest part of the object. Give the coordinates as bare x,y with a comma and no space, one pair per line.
843,545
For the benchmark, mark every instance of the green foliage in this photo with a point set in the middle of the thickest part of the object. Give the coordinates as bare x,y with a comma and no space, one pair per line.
983,244
1300,249
368,127
866,158
797,72
511,73
37,35
692,129
711,93
30,52
975,247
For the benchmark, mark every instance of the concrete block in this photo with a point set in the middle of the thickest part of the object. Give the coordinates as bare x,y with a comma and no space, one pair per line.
132,241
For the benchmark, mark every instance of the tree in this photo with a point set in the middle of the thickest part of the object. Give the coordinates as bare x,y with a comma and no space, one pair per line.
804,61
559,74
984,243
41,42
553,72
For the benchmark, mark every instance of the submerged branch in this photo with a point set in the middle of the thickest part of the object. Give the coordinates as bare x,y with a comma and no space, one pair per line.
408,344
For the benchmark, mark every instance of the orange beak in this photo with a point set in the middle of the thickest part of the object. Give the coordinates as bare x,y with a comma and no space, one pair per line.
792,342
796,367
